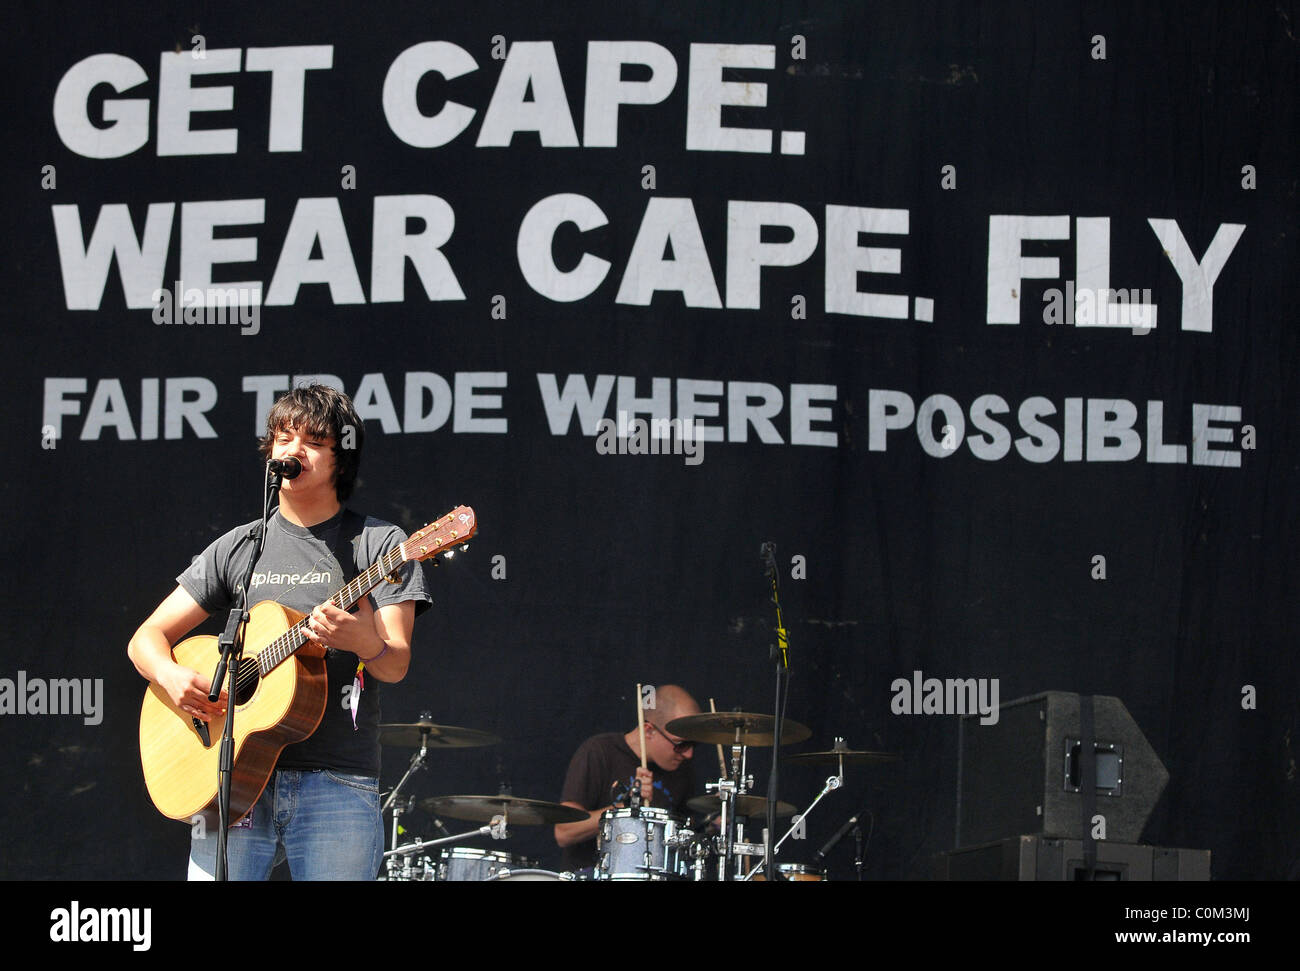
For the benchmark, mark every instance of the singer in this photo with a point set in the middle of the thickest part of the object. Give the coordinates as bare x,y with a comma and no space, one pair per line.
320,811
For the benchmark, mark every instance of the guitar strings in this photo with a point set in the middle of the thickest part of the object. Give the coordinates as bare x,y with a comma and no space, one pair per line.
243,680
387,562
245,677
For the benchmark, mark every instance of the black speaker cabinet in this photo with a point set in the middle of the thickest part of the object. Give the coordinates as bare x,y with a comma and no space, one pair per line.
1041,858
1022,775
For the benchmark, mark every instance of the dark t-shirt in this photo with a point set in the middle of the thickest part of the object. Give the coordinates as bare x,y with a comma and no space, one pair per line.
604,767
300,569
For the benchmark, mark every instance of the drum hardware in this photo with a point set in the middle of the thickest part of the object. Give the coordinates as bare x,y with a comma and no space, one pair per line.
726,791
461,864
496,811
739,730
838,755
408,867
832,783
745,806
496,829
841,755
700,851
423,734
402,866
645,844
795,872
516,809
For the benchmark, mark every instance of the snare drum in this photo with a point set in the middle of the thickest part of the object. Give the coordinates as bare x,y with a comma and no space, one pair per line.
462,863
649,844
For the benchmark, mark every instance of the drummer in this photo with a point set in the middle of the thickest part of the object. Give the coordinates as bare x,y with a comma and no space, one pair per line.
606,767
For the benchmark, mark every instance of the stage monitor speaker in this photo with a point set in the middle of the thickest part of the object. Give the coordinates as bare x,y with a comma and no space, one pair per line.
1023,774
1042,859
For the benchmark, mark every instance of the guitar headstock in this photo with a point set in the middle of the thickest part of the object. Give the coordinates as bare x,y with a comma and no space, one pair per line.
441,535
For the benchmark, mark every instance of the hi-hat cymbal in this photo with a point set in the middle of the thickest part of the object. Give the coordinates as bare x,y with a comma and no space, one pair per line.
736,728
850,757
519,812
745,806
413,734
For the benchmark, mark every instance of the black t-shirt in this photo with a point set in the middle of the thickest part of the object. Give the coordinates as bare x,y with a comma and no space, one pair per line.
300,569
603,768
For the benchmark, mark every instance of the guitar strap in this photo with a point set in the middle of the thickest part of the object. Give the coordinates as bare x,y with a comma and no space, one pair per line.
345,545
344,548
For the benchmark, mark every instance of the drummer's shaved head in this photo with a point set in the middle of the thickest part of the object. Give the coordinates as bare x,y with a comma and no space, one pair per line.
673,701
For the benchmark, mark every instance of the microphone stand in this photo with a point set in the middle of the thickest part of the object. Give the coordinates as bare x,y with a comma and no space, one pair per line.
231,643
781,654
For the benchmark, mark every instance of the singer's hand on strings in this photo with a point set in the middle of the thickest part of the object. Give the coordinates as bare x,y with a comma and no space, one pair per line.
188,691
329,626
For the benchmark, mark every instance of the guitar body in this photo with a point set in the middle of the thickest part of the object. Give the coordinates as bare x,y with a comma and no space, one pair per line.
285,707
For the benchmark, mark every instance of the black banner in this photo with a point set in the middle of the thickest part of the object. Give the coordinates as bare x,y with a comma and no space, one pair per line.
984,317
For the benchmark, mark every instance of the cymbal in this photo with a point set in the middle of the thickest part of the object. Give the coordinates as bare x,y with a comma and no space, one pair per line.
721,728
745,806
412,734
850,757
520,812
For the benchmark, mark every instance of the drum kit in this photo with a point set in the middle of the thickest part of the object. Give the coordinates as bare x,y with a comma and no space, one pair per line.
635,843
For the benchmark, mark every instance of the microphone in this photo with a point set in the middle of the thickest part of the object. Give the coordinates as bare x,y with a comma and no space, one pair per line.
820,854
288,468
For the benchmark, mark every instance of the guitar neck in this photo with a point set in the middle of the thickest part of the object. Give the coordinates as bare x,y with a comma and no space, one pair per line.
286,644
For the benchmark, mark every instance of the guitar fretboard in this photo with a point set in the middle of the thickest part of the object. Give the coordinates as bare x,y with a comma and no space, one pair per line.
287,643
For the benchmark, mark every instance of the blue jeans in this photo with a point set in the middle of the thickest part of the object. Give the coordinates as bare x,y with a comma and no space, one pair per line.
326,824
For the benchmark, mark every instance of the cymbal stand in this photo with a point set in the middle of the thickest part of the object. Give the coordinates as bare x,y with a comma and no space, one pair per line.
727,790
496,829
833,782
417,763
403,805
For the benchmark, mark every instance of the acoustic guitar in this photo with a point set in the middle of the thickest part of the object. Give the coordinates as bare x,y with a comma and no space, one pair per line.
280,692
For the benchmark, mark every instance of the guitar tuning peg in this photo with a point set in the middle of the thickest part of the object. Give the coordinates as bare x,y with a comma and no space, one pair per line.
465,548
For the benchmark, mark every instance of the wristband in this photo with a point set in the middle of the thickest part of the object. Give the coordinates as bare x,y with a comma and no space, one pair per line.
371,660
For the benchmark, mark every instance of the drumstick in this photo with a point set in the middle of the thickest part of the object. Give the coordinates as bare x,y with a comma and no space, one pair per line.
640,724
722,759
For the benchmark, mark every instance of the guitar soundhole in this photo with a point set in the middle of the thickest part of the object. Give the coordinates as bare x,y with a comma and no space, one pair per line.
246,681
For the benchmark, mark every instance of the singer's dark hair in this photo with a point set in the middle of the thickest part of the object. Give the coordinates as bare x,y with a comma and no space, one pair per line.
319,410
